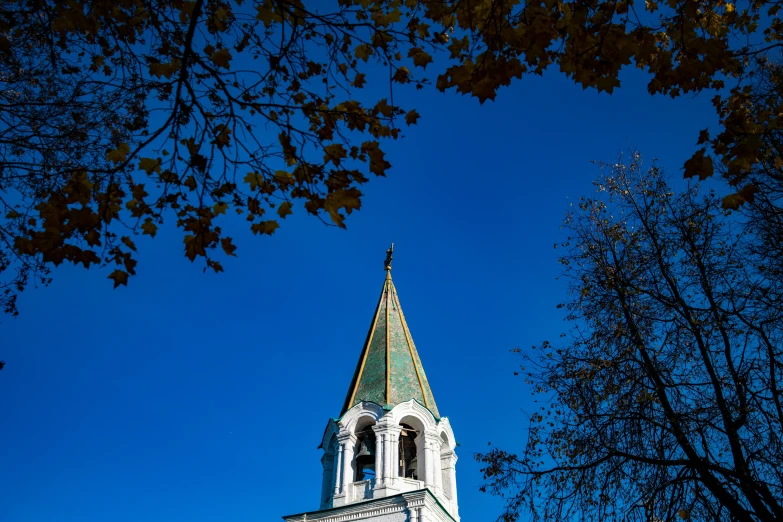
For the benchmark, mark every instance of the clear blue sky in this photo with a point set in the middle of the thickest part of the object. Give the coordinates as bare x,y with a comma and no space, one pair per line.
202,398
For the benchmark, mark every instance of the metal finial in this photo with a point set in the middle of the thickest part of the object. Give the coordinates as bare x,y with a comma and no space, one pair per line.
387,263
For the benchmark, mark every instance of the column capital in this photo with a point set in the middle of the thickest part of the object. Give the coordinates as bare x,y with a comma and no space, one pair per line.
346,437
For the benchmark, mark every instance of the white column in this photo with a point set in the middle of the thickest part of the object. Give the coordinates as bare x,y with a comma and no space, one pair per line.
386,436
348,444
394,454
327,489
379,464
338,470
453,476
432,461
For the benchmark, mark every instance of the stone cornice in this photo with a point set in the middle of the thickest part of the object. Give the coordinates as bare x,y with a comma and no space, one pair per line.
422,498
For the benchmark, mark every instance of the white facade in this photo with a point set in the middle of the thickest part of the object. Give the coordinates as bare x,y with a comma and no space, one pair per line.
388,497
416,506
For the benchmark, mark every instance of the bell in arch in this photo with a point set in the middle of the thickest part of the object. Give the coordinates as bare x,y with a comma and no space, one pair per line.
365,458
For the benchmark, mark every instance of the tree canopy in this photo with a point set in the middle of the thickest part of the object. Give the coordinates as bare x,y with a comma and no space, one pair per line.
118,116
665,399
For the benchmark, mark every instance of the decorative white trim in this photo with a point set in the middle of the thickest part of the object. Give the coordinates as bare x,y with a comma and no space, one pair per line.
418,505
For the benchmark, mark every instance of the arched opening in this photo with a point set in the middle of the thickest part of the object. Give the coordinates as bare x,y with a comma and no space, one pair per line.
364,461
408,452
329,476
446,467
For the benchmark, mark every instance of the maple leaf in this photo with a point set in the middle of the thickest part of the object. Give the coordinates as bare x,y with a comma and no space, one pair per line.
412,117
166,70
119,277
699,165
148,227
228,247
284,209
335,153
221,58
420,57
119,154
364,51
149,165
265,227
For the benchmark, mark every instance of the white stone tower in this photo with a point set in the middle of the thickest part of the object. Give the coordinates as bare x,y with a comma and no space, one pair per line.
389,457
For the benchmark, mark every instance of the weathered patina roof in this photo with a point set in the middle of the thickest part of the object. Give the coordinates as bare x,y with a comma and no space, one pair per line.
389,370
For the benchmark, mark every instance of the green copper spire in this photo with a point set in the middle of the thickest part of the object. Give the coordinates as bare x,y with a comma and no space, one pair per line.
389,370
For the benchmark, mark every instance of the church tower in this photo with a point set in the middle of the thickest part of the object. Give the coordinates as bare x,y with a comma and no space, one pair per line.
389,456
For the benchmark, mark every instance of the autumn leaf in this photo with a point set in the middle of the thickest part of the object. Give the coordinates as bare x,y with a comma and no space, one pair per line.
335,153
266,13
219,208
265,227
228,246
253,179
364,51
148,227
699,165
736,200
221,58
284,209
128,243
149,165
119,154
347,200
412,117
165,69
119,277
420,57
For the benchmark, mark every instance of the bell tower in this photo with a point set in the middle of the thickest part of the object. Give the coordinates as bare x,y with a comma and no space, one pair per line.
389,456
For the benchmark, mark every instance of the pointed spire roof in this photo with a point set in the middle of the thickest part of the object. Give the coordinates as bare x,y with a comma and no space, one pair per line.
389,371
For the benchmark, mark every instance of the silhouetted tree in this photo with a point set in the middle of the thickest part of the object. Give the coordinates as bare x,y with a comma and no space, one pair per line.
664,400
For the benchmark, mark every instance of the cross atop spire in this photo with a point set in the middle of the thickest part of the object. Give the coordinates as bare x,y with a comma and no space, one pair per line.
389,252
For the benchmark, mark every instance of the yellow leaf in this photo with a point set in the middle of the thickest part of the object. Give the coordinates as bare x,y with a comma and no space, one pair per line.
284,209
267,14
348,200
119,277
148,227
729,8
165,69
334,153
221,58
119,154
228,246
364,51
420,57
219,208
149,165
265,227
254,179
699,165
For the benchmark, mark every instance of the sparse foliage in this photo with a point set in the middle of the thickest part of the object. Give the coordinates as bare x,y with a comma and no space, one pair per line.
664,401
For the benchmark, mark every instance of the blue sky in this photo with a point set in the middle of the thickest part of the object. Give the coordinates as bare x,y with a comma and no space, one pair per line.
200,397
